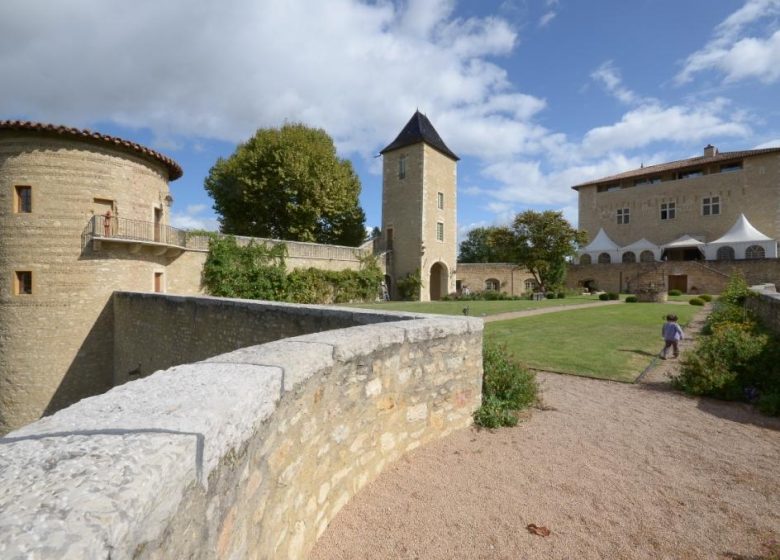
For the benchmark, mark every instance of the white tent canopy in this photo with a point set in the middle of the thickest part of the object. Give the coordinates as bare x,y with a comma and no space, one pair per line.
741,242
639,247
602,244
685,241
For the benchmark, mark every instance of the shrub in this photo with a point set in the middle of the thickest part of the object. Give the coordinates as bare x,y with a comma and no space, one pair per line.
705,297
561,295
769,402
409,286
696,301
675,293
631,299
507,387
736,290
550,295
613,296
604,296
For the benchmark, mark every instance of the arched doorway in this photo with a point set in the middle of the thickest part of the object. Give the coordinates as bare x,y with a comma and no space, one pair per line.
438,281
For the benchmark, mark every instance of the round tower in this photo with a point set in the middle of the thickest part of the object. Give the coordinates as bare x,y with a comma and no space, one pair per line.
419,209
81,215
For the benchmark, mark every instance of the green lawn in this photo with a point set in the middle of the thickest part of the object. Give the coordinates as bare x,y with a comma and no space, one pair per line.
476,308
614,342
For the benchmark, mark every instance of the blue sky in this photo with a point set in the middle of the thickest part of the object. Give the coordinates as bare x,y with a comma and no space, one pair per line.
534,95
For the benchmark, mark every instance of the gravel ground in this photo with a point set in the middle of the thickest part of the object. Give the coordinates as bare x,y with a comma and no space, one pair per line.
612,470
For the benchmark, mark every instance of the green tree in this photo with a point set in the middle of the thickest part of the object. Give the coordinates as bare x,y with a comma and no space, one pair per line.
288,183
541,242
479,247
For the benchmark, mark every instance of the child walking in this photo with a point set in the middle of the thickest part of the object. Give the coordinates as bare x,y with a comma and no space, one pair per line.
672,333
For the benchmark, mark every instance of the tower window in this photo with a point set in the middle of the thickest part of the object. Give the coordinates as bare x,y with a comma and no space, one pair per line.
439,231
402,167
23,282
23,199
389,233
710,206
440,201
158,282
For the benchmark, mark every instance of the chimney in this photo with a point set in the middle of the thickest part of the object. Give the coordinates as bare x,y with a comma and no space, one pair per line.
710,151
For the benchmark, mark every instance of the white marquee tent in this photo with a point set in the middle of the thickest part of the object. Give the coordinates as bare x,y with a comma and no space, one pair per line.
601,244
638,248
742,241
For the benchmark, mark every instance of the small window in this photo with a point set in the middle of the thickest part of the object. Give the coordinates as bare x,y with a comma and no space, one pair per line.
623,216
440,201
492,285
23,199
755,252
389,239
629,257
690,174
604,258
402,167
531,285
725,254
647,181
23,282
668,210
585,259
731,167
158,282
646,256
439,231
710,206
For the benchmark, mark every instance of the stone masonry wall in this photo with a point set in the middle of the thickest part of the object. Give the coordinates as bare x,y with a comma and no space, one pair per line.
247,454
765,303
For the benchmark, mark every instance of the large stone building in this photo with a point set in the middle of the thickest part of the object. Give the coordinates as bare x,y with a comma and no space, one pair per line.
685,224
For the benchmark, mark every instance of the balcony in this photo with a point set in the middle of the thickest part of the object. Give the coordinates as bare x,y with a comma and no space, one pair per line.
161,239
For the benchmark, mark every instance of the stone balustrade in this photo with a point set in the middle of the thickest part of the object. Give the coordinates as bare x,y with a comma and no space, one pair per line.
246,454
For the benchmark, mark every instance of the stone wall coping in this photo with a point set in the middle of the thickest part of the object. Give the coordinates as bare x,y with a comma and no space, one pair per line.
101,477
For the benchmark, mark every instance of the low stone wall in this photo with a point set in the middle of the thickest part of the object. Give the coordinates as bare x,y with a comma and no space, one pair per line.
765,303
247,454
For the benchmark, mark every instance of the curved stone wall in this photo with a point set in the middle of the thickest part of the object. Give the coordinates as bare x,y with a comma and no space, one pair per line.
247,454
64,325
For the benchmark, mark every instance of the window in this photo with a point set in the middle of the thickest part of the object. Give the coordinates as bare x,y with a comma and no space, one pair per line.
690,174
629,257
646,256
492,285
647,181
604,258
389,233
623,216
731,167
668,210
440,201
439,231
725,254
710,206
609,188
23,199
755,252
158,282
585,259
531,285
23,282
402,167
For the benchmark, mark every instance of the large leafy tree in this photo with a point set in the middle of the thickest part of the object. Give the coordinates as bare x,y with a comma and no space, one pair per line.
288,183
480,247
541,242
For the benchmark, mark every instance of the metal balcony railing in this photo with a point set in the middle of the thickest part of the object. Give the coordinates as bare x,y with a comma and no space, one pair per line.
124,229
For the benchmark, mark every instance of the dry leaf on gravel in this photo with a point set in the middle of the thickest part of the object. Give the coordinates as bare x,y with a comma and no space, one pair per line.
538,530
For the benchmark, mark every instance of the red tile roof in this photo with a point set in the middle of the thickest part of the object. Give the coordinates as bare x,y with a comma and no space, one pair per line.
174,169
677,165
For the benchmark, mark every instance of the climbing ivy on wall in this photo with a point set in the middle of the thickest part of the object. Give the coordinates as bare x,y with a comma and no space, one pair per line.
256,271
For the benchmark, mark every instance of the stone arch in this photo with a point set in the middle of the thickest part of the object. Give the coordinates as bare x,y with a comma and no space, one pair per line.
492,285
604,258
438,281
629,257
755,252
585,259
725,253
646,256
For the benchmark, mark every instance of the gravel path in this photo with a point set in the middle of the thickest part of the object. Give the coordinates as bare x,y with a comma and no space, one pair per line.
612,470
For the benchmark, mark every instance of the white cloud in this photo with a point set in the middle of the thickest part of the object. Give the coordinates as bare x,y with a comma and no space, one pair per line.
610,78
736,54
769,144
547,18
193,218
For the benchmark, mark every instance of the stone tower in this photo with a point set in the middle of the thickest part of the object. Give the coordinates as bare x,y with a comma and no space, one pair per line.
419,209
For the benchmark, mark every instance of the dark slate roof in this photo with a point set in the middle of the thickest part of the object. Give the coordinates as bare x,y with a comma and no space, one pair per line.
678,165
419,129
174,169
